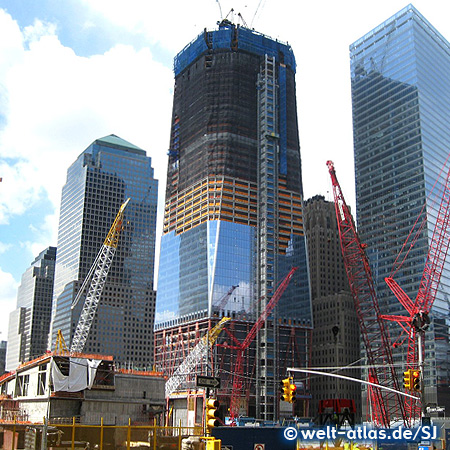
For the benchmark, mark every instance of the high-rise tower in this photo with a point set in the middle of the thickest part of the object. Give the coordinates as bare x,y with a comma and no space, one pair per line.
233,213
29,323
401,115
108,172
336,334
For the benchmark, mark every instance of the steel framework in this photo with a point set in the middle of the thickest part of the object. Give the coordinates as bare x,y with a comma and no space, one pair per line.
417,321
386,406
97,277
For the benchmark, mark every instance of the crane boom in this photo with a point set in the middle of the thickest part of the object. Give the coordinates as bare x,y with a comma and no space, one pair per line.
385,405
418,310
194,357
98,274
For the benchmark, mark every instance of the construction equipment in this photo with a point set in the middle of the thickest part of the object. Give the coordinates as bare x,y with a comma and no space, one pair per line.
194,357
97,278
60,344
418,319
385,405
237,377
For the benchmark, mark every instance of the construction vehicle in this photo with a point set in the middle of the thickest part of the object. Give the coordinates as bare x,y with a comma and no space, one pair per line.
417,320
96,280
194,357
386,406
237,377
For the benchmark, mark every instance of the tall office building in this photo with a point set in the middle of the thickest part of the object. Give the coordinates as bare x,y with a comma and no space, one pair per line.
400,74
108,172
336,333
233,213
29,323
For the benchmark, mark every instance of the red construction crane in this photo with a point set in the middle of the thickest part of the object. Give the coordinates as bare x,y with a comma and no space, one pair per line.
237,377
418,320
386,406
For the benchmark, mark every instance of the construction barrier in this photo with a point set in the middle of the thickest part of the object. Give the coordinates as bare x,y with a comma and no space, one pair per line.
71,436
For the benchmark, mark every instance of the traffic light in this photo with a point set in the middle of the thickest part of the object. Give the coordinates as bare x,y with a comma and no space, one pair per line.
293,389
407,379
288,390
416,385
212,413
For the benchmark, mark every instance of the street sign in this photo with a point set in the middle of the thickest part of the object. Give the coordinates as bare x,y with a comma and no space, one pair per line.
207,382
434,409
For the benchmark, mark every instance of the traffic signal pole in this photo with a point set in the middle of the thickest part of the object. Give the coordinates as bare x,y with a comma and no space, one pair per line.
420,342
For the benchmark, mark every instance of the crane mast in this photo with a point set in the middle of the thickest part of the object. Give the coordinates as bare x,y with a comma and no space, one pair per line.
386,406
97,276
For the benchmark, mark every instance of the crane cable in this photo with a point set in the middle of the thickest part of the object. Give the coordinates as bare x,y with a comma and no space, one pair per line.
397,265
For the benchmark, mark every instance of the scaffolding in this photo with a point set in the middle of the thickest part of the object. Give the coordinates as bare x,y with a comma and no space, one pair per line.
172,345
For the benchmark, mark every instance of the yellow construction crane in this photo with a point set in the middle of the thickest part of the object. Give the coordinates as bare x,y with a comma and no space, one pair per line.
97,279
194,357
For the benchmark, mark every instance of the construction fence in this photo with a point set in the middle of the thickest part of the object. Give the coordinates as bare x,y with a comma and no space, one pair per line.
78,436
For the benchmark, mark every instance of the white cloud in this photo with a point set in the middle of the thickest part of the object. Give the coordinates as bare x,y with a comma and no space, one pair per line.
4,247
58,103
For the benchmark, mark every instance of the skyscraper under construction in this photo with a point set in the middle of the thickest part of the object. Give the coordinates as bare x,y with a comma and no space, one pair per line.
233,224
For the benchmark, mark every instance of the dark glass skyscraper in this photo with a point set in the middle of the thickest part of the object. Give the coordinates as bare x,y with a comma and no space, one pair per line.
401,115
233,214
29,323
108,172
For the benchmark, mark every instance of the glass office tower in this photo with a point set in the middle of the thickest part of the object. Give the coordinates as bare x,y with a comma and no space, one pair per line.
233,213
108,172
29,323
400,75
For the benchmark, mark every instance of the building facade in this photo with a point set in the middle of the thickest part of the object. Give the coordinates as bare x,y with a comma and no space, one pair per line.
108,172
233,212
400,74
336,333
29,323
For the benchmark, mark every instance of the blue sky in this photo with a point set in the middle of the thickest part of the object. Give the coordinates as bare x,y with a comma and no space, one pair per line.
72,71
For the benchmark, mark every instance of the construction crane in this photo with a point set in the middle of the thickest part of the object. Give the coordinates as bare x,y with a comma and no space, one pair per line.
418,319
97,278
194,357
237,377
386,406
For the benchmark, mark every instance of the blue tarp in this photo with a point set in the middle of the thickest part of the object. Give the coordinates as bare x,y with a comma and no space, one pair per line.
248,40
